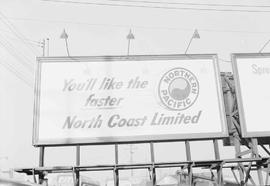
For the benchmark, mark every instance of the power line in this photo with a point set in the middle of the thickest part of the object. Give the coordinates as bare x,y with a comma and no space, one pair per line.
29,42
134,26
15,31
15,72
22,59
159,7
193,4
20,56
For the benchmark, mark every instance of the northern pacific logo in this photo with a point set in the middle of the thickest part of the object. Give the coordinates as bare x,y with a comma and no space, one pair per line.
178,89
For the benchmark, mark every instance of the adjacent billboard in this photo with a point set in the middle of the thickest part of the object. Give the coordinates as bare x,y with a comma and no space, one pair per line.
121,99
252,77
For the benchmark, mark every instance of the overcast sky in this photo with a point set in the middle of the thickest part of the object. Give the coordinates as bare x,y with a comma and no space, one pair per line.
101,30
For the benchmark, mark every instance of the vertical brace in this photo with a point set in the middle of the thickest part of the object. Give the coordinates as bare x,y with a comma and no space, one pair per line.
153,163
41,156
190,175
115,170
188,156
219,168
34,176
41,162
216,149
78,159
267,173
150,174
188,152
254,142
237,152
74,176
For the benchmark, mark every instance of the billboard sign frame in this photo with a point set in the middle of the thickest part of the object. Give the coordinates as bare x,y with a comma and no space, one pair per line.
241,110
131,139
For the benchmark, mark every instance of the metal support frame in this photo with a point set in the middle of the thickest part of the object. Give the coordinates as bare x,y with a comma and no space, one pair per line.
213,165
243,165
251,144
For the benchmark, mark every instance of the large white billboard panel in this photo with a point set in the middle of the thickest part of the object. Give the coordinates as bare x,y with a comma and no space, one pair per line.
92,100
252,76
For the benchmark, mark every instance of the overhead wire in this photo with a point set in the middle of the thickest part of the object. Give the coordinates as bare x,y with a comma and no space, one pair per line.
15,72
20,57
28,41
135,26
15,69
159,7
17,34
15,31
192,4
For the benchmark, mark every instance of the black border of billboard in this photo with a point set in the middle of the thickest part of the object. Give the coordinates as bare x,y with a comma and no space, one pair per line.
127,139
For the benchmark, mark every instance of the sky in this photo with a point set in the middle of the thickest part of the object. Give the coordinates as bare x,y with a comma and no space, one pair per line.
101,30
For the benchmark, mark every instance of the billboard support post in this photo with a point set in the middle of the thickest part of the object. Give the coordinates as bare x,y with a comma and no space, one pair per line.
188,157
219,167
41,156
254,142
115,170
78,158
153,172
41,162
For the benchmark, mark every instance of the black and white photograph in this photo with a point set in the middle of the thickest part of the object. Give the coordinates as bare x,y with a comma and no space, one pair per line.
134,93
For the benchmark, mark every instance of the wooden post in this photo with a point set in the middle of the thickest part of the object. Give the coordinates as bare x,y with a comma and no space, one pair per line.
254,142
41,162
153,164
237,148
78,162
116,171
188,156
219,168
41,156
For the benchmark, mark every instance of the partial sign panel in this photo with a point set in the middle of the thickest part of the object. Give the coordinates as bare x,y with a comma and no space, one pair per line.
99,100
252,77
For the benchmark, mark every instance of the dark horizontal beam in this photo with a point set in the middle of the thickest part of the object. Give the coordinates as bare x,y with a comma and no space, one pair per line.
110,167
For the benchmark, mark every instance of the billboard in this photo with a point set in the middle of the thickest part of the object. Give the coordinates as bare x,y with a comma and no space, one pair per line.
252,77
121,99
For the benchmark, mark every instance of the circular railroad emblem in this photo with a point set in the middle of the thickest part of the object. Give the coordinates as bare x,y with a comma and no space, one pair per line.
178,89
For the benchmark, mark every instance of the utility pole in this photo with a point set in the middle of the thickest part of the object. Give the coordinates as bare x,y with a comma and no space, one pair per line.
43,47
48,49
